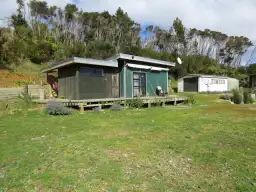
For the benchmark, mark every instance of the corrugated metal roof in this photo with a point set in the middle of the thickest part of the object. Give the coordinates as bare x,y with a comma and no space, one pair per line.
105,63
202,75
141,59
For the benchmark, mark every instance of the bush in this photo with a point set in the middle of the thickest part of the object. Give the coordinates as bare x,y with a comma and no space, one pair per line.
251,99
246,97
135,103
116,107
191,99
26,98
225,97
57,108
237,96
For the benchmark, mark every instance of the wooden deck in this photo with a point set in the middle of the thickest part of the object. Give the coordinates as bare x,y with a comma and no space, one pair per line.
110,101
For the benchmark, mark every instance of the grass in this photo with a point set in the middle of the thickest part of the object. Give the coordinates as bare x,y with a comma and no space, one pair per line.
206,148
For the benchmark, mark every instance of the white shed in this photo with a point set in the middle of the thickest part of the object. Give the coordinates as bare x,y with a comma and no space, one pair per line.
203,83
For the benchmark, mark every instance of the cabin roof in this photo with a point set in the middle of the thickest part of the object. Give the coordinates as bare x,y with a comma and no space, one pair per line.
205,76
141,59
106,63
110,62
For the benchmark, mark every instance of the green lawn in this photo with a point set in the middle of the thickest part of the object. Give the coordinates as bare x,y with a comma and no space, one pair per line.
206,148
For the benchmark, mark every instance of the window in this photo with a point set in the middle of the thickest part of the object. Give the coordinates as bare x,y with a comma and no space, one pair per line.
217,81
92,71
139,84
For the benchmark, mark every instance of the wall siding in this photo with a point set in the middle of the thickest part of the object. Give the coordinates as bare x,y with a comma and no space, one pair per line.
203,81
97,87
153,79
67,82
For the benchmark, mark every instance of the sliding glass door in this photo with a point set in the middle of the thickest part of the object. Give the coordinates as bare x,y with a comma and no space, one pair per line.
139,84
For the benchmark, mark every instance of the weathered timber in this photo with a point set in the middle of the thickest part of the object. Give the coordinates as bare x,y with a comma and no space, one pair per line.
111,101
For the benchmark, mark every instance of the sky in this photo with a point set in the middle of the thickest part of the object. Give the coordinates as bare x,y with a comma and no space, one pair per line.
233,17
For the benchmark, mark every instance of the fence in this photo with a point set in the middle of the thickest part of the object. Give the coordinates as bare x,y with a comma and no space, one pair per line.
7,93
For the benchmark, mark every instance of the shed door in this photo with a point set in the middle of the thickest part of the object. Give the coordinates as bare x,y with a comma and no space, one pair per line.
191,84
115,85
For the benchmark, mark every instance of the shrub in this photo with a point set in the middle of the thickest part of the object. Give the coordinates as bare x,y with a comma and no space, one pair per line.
225,97
26,97
251,100
135,103
191,99
56,108
237,96
246,97
116,107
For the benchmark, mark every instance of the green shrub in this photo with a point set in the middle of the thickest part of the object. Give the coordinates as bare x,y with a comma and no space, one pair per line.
237,96
24,82
246,97
191,99
135,103
26,98
56,108
251,99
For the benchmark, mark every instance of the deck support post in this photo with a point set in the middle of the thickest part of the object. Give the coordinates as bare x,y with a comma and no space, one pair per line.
163,104
175,100
149,104
81,107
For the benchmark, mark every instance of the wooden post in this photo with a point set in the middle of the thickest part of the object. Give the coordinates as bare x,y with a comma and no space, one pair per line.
163,104
175,100
149,104
41,94
81,107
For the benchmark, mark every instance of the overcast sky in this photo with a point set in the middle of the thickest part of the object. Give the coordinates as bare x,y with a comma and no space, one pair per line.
233,17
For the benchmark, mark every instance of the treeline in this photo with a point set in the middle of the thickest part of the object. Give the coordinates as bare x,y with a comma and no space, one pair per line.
43,34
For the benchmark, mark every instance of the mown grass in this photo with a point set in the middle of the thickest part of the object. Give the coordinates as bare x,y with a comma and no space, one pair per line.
206,148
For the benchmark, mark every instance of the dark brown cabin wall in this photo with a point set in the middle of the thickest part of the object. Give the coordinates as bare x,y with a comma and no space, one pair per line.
96,87
67,81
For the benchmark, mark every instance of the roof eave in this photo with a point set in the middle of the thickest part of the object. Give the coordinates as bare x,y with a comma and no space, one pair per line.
144,59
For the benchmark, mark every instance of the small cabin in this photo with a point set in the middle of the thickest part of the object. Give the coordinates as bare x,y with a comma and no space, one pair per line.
121,76
206,83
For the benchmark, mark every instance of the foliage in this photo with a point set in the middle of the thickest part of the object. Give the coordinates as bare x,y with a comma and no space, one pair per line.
191,99
135,103
252,69
247,97
57,108
23,82
225,97
116,107
26,97
237,97
44,33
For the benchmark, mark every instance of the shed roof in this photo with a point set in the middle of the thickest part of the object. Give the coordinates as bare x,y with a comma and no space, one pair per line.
206,76
141,59
106,63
